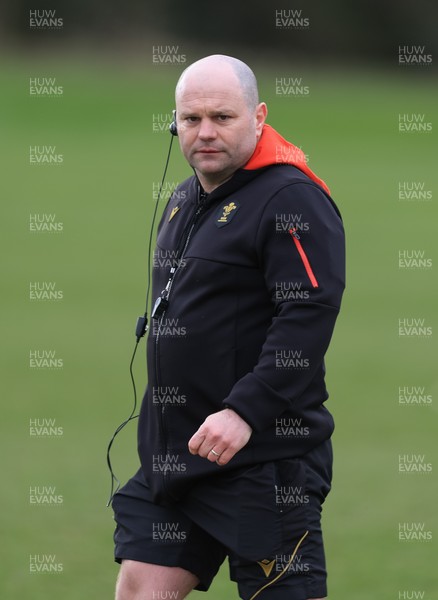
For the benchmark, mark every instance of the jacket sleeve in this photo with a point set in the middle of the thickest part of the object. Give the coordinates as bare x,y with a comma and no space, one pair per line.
304,272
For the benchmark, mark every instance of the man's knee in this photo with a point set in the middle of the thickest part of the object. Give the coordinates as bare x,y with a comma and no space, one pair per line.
128,581
144,581
131,580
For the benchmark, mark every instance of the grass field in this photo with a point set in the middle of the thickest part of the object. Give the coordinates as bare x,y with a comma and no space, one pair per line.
101,193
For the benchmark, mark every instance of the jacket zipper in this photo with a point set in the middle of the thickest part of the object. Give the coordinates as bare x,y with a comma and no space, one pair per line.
301,252
165,296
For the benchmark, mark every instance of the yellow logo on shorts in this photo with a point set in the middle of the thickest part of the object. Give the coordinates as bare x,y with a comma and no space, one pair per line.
266,565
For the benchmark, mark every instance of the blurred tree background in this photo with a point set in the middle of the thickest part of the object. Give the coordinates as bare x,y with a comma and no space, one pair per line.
342,31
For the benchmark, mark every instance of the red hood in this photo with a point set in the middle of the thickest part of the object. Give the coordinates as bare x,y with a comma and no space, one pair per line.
272,149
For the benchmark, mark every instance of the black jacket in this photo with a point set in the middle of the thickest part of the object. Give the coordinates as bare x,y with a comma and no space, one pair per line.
258,281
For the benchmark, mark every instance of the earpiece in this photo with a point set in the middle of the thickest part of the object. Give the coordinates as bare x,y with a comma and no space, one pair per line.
172,127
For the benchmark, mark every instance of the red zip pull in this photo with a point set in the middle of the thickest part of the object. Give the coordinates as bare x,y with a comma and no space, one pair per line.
306,263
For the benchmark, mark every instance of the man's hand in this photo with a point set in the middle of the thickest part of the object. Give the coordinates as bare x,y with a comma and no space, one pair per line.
220,437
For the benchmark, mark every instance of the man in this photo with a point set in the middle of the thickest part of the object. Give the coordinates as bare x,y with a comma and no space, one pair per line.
234,438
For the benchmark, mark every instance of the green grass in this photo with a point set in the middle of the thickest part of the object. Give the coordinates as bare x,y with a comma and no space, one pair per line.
103,195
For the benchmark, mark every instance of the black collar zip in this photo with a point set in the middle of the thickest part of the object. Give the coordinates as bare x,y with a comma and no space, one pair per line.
162,301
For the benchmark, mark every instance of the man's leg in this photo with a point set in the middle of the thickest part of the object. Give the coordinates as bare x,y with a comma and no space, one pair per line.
144,581
295,568
162,552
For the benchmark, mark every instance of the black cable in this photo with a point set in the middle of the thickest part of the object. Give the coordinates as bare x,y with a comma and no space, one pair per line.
154,216
132,416
140,330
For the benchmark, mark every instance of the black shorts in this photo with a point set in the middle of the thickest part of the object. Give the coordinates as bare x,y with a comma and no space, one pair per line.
265,518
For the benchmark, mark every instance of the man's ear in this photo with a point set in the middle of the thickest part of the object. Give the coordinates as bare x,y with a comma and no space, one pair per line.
261,114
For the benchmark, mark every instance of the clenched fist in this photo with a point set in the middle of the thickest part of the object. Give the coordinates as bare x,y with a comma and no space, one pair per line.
220,437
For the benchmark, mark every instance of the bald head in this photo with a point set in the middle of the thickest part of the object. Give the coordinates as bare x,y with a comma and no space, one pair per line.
210,66
218,116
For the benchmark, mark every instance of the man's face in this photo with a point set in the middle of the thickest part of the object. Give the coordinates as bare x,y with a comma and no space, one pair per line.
217,131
